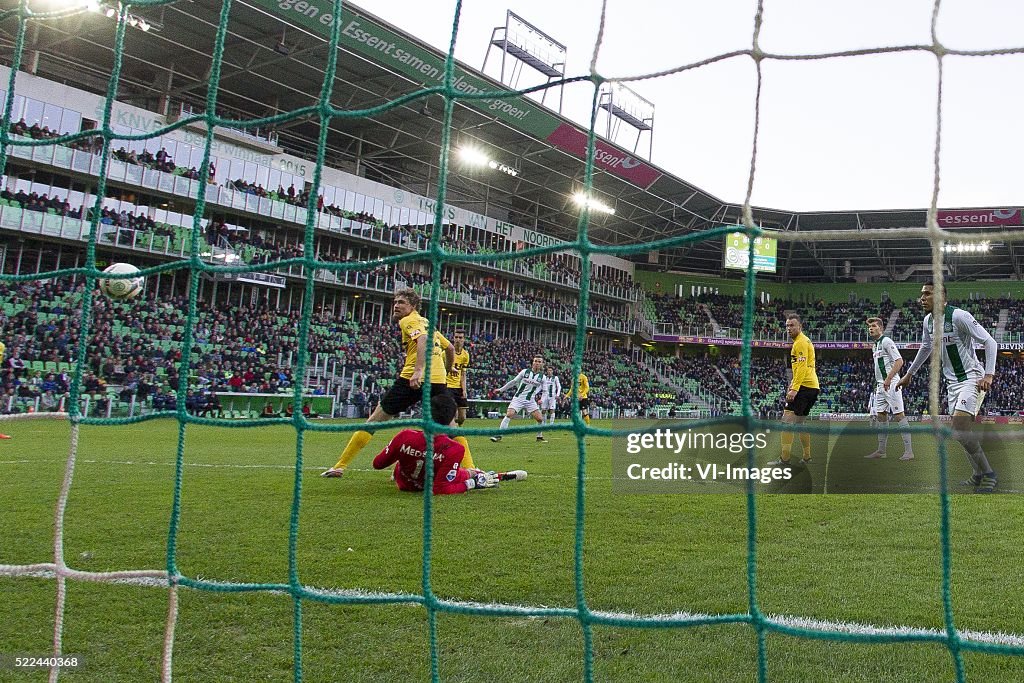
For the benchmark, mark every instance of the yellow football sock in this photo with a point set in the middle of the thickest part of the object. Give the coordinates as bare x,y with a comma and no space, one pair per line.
586,419
787,445
355,444
467,460
805,441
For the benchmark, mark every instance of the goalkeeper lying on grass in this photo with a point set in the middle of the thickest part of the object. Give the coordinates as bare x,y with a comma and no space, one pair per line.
407,452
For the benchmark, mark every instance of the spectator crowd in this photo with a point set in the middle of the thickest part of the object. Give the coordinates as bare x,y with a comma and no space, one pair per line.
134,352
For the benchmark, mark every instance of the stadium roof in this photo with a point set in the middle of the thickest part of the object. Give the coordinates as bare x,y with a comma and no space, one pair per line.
271,66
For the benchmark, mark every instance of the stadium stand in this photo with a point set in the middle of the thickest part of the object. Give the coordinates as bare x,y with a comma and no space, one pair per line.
821,321
986,311
243,349
677,313
1014,328
136,348
537,291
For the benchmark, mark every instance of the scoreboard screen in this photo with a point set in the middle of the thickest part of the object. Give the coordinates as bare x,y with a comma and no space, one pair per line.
737,252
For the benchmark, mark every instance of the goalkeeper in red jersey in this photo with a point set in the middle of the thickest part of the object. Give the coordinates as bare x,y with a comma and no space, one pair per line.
407,452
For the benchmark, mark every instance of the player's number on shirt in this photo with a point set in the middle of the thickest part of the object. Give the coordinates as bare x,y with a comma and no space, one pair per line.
417,470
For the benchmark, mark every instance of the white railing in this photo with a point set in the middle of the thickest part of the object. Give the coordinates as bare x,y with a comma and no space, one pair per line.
34,222
88,163
260,135
673,329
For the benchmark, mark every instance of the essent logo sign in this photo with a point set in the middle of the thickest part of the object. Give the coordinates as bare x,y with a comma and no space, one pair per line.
606,156
978,217
614,160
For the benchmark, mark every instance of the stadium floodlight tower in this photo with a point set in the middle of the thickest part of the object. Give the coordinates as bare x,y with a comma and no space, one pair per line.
622,105
528,45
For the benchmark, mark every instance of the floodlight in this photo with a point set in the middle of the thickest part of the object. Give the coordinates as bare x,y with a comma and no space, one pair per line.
473,156
593,204
967,247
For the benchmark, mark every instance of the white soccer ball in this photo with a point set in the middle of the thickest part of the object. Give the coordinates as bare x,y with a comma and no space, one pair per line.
121,288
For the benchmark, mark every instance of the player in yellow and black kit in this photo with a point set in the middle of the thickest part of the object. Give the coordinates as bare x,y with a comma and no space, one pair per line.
456,381
456,378
803,389
583,387
406,391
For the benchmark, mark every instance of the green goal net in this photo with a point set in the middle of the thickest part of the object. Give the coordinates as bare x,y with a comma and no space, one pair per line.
23,17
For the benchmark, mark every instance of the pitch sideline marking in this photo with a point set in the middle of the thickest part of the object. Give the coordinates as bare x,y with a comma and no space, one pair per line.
157,579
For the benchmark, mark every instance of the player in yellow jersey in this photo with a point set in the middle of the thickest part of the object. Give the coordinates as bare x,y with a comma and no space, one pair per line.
583,387
803,390
407,389
456,381
3,349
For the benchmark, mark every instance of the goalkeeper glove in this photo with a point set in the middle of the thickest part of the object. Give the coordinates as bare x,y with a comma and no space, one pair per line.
481,480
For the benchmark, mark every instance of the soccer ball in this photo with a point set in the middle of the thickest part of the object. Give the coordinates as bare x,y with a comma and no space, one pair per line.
121,288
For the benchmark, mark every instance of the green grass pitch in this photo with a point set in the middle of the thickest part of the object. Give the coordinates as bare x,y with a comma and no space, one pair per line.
868,559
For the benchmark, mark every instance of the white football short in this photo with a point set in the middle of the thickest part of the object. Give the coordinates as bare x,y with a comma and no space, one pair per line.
527,404
963,396
890,401
549,403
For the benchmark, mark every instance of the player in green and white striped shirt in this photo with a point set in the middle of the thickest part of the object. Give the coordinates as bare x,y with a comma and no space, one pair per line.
550,391
887,398
528,384
967,379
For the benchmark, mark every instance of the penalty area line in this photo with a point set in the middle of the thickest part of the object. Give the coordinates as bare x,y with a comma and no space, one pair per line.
252,466
907,489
